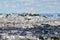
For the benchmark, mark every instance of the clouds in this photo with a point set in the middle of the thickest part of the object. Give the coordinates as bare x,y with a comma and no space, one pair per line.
42,6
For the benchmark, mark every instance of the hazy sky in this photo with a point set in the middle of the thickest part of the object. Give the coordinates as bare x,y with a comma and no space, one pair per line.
37,6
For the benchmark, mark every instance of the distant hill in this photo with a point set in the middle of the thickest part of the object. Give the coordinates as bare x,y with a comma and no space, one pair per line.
37,14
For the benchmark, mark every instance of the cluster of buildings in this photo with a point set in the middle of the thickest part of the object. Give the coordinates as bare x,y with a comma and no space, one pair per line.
30,24
17,20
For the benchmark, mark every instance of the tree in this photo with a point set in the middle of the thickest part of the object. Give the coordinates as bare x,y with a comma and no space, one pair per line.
40,37
55,38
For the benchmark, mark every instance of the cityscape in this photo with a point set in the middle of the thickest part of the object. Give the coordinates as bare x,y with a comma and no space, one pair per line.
29,19
28,26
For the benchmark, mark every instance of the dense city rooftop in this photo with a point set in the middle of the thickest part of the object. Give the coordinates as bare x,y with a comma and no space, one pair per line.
29,25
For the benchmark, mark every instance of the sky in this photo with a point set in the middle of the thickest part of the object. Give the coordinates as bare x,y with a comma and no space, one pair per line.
36,6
